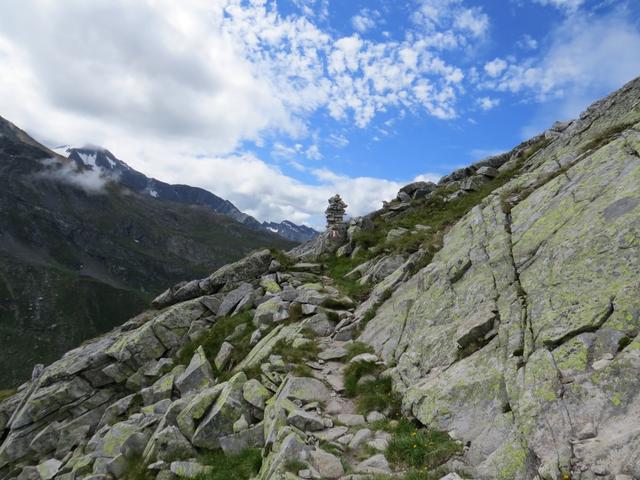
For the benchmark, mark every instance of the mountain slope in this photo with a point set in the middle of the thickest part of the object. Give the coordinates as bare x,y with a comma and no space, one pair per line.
76,262
486,328
104,161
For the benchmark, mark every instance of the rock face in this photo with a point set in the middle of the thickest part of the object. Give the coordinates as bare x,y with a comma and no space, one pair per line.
519,338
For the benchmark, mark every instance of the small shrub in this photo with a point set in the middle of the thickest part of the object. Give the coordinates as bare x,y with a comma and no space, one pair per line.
376,394
419,448
242,466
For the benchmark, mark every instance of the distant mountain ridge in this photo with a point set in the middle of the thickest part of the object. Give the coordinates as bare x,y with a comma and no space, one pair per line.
80,254
107,162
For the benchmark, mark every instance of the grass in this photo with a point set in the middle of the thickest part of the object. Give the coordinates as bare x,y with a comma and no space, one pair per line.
213,339
606,136
282,258
242,466
296,356
418,448
4,394
357,348
294,465
337,269
376,394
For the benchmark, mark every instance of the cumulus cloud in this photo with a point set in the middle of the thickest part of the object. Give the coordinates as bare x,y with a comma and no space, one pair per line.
207,76
487,103
364,20
452,19
495,67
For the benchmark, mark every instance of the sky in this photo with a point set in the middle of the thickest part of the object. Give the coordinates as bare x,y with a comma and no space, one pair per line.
277,106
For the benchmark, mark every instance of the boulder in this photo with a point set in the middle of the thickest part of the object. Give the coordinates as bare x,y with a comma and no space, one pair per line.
243,270
255,394
376,465
488,172
223,356
197,376
305,421
328,465
305,389
170,444
396,233
190,469
234,297
252,437
228,407
195,410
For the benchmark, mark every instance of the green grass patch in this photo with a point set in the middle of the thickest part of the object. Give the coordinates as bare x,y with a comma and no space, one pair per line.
337,269
376,394
215,336
296,356
282,258
606,136
418,448
294,465
4,394
357,348
242,466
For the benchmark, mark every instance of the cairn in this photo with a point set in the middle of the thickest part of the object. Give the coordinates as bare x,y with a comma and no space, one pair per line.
335,214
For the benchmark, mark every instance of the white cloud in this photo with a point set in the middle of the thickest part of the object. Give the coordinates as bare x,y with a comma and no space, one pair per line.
364,20
487,103
568,5
527,42
495,67
451,18
165,84
586,56
89,180
313,152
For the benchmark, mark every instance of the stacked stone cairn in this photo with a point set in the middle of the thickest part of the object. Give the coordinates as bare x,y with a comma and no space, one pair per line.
335,215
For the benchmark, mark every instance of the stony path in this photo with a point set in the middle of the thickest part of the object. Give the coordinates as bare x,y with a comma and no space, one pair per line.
346,448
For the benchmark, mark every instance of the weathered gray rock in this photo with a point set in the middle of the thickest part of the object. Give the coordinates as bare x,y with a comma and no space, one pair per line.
252,437
305,389
255,394
248,268
396,233
228,407
190,469
233,298
197,376
170,445
305,421
376,465
327,465
223,356
528,276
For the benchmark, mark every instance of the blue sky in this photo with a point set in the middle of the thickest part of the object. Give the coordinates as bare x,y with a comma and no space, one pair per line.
276,106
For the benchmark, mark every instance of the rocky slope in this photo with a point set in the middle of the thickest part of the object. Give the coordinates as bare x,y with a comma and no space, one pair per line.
102,160
487,327
79,256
